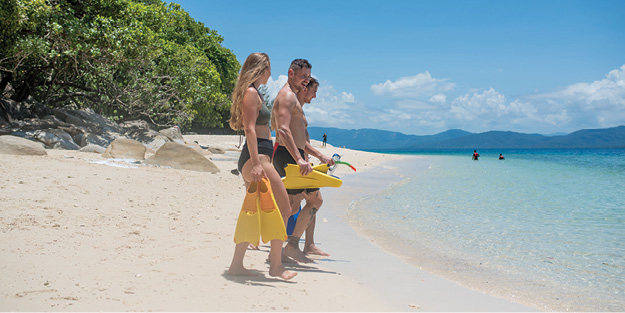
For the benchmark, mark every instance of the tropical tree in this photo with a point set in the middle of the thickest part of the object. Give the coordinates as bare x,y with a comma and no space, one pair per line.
125,59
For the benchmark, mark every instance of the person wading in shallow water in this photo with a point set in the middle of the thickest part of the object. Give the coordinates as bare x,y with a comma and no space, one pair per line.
475,155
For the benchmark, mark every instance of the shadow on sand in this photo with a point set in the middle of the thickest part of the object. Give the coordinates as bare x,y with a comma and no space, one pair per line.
259,280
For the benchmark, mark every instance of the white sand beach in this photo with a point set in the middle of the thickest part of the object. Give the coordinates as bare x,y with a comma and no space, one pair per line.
80,235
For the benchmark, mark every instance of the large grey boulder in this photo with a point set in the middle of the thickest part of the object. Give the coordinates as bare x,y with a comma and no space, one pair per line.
36,108
93,149
102,140
182,157
53,119
174,134
134,124
24,134
48,121
60,128
151,138
28,108
125,149
56,139
87,118
198,148
157,141
20,146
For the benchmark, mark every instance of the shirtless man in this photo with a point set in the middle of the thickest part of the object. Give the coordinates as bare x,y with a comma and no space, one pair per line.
291,127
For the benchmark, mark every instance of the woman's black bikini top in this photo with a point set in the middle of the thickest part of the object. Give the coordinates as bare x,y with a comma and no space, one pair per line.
264,114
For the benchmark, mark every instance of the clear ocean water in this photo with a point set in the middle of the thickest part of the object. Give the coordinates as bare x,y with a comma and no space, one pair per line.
546,227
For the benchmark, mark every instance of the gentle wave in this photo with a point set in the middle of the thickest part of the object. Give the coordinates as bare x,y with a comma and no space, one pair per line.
546,226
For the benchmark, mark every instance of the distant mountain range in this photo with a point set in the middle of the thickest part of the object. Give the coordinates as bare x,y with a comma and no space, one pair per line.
374,139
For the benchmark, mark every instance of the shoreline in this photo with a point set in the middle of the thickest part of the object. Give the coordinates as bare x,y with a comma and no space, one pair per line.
426,245
402,282
81,236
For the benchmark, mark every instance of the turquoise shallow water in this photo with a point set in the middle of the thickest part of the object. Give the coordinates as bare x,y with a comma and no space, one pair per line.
544,226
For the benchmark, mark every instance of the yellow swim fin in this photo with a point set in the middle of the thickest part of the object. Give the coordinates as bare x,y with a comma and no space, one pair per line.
323,168
271,222
248,225
316,179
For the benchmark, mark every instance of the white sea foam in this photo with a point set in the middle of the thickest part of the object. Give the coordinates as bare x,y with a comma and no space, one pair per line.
123,163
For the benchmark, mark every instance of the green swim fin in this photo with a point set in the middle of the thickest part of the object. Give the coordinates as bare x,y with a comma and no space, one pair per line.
248,225
316,178
271,222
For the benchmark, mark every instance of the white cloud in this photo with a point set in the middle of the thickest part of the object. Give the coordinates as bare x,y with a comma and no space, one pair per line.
413,104
332,108
425,105
608,93
489,110
393,117
422,84
470,107
589,105
274,86
438,98
419,105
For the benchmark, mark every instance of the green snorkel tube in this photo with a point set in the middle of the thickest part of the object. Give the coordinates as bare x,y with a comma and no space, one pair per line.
337,160
345,163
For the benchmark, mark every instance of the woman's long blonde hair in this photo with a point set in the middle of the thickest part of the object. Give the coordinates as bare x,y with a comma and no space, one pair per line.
252,69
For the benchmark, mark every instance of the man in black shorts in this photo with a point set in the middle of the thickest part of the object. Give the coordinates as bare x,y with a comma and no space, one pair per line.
312,196
281,159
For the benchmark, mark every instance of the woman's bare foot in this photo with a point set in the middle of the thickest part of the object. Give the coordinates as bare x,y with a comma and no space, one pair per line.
240,271
312,249
295,254
253,247
280,271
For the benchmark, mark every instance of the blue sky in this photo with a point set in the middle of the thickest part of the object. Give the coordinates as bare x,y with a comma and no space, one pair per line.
423,67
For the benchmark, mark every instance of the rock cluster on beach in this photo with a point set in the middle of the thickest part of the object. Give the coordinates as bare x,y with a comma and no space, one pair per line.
30,127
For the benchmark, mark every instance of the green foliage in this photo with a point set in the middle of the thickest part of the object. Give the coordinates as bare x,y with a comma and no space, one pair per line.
126,59
264,91
9,21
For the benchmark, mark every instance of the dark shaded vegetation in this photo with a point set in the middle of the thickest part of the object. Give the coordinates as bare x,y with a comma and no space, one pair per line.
125,59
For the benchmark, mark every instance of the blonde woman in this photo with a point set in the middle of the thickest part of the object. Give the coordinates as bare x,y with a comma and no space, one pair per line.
250,113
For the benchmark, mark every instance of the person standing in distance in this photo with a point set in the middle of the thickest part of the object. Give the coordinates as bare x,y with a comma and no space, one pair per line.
475,155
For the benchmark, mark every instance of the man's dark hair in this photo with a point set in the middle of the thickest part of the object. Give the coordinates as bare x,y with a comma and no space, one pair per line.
300,64
313,81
